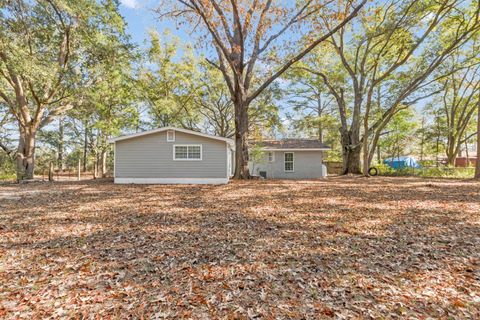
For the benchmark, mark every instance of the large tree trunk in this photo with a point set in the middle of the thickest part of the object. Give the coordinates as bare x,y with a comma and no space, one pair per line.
366,157
477,167
351,149
241,137
103,159
25,159
451,150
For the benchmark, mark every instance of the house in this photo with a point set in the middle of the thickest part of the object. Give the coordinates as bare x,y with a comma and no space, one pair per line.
172,156
289,159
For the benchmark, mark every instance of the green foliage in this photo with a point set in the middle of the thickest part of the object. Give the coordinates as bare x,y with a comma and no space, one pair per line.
48,44
168,81
43,159
398,134
428,172
383,169
56,56
213,102
314,108
257,155
264,112
73,59
7,167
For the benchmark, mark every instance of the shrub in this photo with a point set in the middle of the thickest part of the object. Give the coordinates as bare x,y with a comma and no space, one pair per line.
7,168
383,169
427,172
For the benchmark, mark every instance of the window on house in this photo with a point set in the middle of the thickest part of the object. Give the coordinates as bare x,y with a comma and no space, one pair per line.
170,135
271,157
187,152
288,161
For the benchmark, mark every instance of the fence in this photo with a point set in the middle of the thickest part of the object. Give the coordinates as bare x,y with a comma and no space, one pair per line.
334,167
56,174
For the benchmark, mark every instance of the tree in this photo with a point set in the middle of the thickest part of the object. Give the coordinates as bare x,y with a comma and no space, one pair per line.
398,134
58,138
243,33
109,102
312,102
388,56
213,102
168,83
458,104
41,45
5,119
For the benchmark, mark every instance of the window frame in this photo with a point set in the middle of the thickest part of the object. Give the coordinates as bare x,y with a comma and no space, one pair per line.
187,158
285,162
168,132
273,156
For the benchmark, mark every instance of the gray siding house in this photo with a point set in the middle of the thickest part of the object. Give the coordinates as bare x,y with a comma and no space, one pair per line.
172,156
290,159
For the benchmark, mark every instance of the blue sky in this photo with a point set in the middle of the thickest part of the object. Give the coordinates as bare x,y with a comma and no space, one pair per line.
140,18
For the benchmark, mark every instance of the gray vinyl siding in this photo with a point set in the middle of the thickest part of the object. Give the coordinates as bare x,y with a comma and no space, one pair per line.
307,165
151,156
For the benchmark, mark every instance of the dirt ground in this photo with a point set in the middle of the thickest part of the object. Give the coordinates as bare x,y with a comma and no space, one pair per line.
340,247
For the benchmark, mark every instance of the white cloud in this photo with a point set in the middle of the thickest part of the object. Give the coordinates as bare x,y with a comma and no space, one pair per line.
132,4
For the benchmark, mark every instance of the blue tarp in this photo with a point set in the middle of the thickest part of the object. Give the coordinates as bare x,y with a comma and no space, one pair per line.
402,162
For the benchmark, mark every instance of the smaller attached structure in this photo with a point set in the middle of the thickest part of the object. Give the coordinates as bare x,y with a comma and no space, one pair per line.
172,156
289,159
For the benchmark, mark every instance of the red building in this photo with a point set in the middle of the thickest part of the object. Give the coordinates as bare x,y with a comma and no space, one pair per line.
462,162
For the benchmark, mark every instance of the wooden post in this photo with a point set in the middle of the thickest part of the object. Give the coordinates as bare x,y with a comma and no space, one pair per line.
78,171
50,172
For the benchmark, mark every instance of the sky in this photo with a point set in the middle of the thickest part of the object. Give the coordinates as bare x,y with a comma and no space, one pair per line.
141,18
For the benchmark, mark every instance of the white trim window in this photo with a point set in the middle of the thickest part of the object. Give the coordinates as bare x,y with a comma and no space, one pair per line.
171,136
288,158
191,152
271,156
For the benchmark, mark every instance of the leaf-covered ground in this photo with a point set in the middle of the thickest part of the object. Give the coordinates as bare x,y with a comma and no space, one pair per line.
342,247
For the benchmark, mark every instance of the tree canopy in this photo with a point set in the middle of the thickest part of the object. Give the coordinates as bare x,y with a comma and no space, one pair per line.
372,79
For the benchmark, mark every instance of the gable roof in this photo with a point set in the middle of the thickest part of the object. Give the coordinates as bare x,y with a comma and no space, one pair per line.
294,144
144,133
